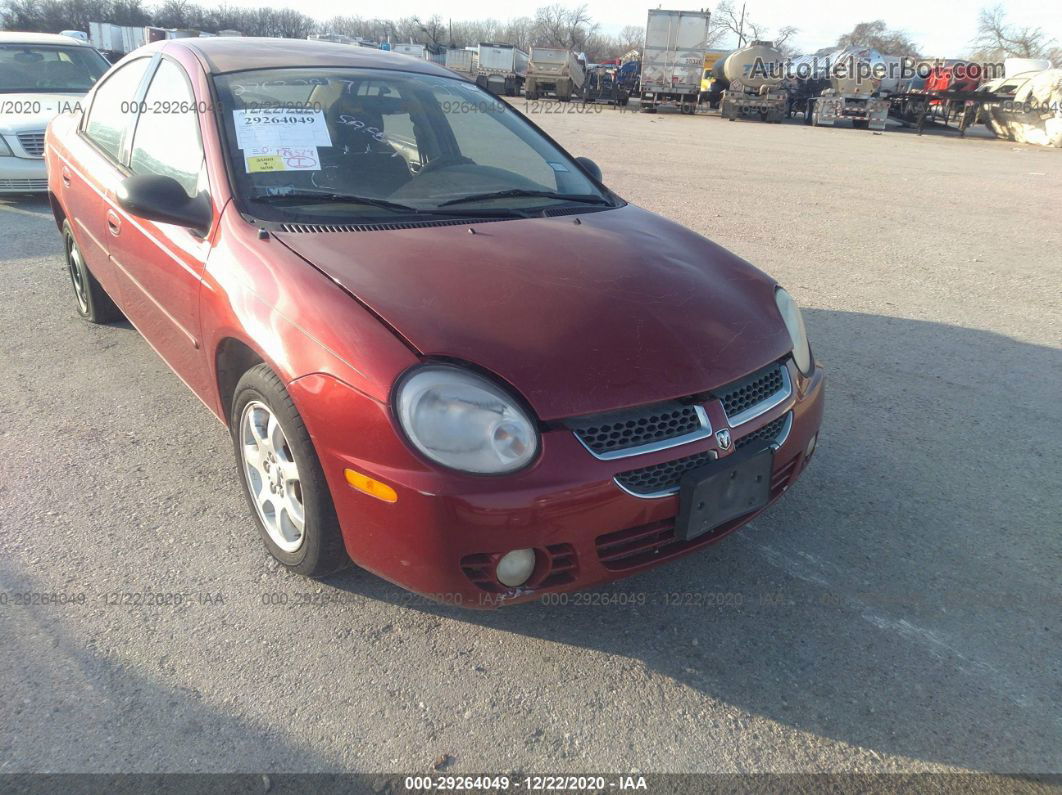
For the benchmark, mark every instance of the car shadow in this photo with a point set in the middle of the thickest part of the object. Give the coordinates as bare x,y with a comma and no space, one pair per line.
904,597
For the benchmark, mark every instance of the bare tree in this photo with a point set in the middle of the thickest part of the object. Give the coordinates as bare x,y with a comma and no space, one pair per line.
729,20
632,37
726,21
997,39
557,25
878,36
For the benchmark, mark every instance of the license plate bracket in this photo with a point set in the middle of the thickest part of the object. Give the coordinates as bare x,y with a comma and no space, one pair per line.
722,491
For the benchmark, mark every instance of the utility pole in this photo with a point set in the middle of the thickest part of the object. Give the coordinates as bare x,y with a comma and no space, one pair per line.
741,28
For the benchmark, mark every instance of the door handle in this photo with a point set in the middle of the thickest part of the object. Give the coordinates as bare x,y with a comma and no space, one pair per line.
114,223
66,176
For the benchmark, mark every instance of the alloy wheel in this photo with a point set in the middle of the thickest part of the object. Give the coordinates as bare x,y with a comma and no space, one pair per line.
272,476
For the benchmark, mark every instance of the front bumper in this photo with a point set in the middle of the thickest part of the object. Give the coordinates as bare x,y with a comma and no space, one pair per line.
23,175
444,534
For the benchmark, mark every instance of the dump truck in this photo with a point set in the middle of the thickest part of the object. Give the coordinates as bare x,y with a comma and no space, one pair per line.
461,61
554,70
754,80
502,69
673,59
411,49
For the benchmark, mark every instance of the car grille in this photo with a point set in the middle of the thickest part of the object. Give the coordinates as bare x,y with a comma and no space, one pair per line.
622,433
635,546
746,394
767,434
556,566
663,479
15,185
33,143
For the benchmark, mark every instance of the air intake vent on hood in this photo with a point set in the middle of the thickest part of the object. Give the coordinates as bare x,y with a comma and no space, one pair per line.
387,227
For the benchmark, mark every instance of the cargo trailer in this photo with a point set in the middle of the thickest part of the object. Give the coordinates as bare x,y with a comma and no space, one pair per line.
673,59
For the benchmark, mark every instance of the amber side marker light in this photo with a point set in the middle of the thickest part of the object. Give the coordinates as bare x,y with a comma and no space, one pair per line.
373,488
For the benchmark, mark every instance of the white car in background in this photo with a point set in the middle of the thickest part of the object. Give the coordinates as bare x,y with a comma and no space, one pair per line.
41,76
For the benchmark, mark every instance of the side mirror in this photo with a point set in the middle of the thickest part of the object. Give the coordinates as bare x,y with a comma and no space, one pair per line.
162,199
591,166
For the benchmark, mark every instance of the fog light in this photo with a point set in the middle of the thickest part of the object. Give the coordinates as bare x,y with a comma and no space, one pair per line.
515,567
811,446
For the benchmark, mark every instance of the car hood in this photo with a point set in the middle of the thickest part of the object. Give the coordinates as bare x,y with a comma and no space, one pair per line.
51,105
580,314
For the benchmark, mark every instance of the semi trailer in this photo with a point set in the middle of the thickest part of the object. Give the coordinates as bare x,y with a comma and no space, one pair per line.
554,70
854,91
673,59
461,61
501,69
754,77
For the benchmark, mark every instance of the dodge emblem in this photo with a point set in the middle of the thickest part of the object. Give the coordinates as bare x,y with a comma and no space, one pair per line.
723,438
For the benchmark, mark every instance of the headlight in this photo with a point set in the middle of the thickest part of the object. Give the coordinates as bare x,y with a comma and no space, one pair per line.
464,421
794,322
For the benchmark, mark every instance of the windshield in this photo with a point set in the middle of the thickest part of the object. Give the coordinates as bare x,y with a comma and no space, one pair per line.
311,141
36,68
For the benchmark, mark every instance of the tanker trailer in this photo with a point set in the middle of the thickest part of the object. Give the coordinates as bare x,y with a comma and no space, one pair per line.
854,93
756,89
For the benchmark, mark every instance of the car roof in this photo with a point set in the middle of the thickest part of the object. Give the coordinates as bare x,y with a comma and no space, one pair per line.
14,37
240,53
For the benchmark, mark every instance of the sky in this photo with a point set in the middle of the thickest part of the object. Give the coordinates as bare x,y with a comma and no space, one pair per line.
940,28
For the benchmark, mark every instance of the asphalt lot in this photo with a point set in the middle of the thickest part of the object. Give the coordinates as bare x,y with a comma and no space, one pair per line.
898,610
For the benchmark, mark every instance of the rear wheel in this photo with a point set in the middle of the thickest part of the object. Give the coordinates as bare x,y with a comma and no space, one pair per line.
282,477
93,303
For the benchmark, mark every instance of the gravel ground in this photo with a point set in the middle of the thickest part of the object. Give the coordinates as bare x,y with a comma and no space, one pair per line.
898,610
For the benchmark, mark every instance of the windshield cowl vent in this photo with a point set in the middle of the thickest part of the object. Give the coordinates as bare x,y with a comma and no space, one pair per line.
383,227
555,211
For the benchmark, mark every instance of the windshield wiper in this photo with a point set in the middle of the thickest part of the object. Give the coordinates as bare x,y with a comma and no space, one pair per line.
519,192
343,198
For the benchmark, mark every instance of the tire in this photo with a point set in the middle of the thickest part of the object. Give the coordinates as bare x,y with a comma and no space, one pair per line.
92,302
317,550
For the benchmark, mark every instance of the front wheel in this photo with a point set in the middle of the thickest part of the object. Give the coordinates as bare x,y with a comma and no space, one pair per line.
282,477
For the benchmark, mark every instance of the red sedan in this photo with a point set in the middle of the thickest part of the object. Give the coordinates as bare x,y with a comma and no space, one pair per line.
444,349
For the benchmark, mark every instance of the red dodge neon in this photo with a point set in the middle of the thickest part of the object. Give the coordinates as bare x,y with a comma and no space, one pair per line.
444,349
